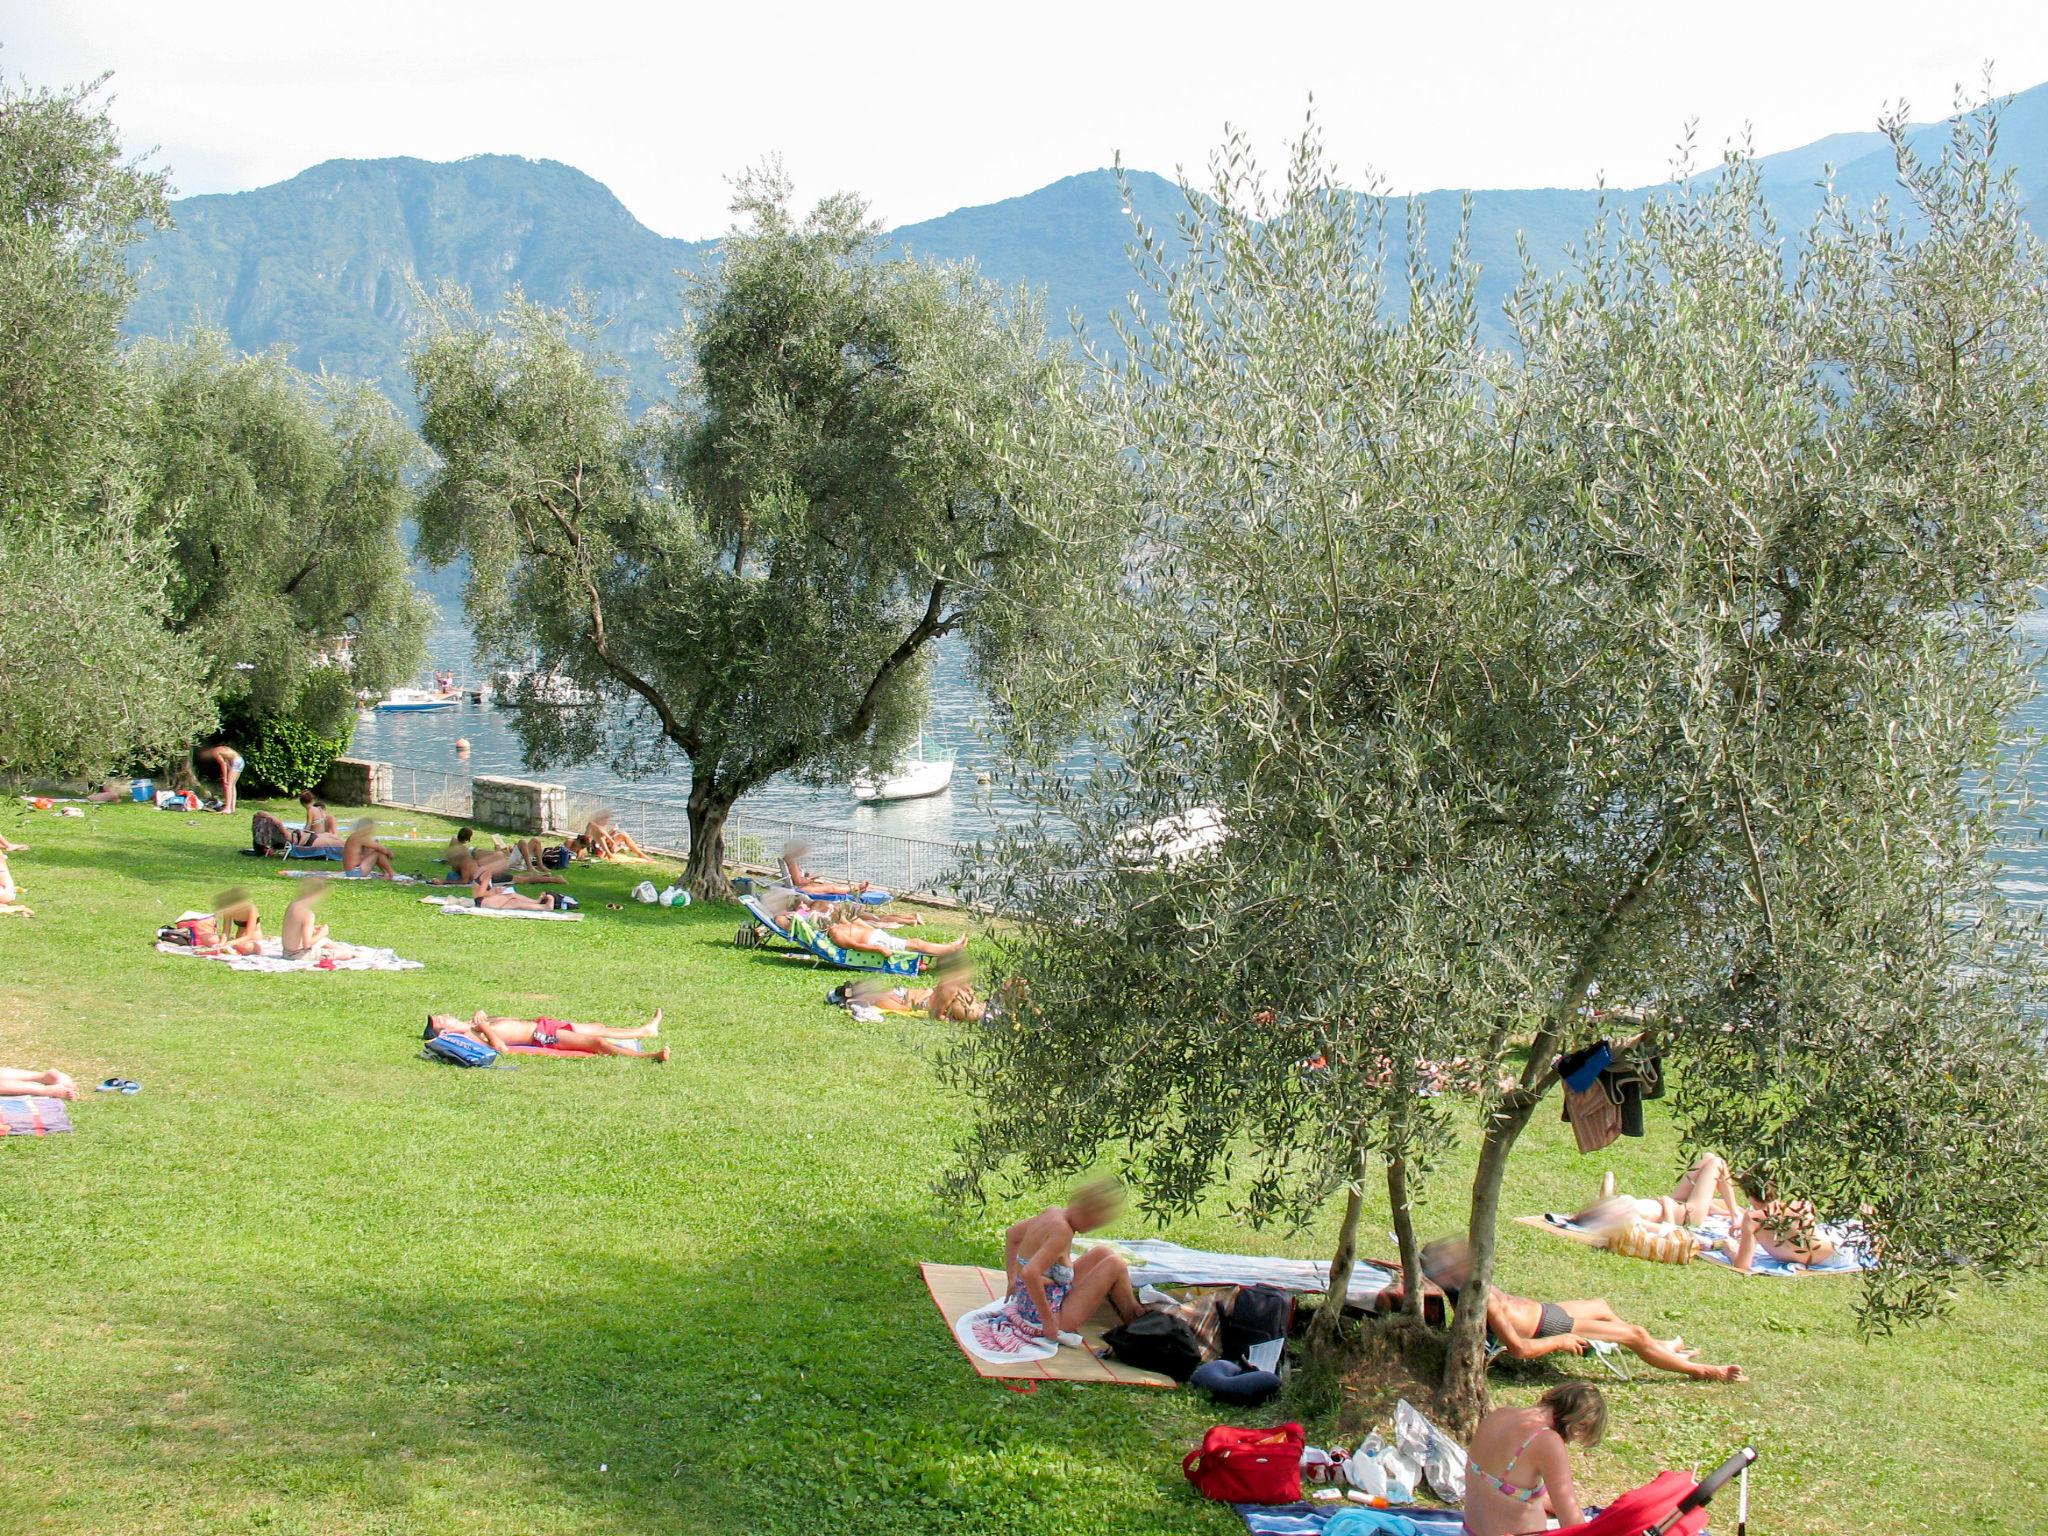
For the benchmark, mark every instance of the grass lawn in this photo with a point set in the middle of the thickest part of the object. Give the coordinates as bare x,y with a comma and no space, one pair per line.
307,1282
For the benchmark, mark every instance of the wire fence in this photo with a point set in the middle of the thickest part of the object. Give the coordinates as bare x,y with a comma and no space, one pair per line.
909,866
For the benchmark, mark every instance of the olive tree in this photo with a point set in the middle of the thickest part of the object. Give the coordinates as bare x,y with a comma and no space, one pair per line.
1669,658
752,580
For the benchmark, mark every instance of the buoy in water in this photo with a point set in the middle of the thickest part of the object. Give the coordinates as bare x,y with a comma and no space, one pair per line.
462,746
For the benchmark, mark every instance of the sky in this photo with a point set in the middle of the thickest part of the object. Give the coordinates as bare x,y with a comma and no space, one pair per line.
924,108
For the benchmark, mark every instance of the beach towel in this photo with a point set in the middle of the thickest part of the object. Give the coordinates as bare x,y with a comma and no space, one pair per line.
360,874
314,853
1852,1253
33,1116
271,957
960,1289
453,906
1374,1286
1315,1519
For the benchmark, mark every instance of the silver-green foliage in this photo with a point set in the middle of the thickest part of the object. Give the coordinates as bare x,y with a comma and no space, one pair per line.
1670,659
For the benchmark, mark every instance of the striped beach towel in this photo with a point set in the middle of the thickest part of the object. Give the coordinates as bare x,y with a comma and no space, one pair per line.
33,1117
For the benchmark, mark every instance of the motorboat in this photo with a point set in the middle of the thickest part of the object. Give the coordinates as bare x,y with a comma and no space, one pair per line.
412,701
912,778
531,687
1173,840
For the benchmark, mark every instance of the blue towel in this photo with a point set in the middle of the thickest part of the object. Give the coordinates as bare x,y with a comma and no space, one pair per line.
1347,1519
313,853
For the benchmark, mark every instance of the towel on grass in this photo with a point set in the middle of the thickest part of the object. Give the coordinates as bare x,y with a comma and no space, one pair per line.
994,1334
360,874
462,906
1154,1261
314,853
271,957
1852,1253
1314,1519
33,1116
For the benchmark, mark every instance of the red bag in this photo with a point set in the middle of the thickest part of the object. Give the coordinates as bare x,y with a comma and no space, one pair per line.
1248,1466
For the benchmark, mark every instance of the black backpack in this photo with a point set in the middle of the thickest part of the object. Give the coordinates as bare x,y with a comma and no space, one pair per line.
1260,1313
1157,1341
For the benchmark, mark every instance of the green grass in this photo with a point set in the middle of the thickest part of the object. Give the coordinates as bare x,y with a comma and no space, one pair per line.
306,1282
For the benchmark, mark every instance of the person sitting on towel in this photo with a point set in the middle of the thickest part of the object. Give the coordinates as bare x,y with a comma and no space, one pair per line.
603,838
500,898
1053,1293
1532,1450
304,939
1527,1329
801,879
362,854
559,1034
317,817
36,1083
237,927
521,858
850,928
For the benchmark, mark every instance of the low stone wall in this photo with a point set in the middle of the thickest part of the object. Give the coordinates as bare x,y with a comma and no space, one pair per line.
519,805
356,781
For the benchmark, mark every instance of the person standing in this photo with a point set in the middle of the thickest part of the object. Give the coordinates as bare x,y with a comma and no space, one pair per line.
227,762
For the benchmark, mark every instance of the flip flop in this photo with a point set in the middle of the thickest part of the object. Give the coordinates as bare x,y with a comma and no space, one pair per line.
120,1085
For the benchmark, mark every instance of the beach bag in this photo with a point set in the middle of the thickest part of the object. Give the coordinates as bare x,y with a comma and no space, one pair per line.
1260,1313
1248,1466
459,1051
556,857
1157,1341
267,836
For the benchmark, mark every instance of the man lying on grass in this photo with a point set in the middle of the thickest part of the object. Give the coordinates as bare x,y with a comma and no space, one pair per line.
850,927
951,996
502,898
502,1034
1527,1330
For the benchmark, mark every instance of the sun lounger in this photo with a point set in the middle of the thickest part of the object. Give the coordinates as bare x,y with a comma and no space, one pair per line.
801,934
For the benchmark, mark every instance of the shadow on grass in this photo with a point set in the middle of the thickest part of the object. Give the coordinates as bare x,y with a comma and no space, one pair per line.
812,1388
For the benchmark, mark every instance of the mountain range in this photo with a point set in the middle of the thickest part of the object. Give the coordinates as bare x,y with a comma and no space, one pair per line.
332,264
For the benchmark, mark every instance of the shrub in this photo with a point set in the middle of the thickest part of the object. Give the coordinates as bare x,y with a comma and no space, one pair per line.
290,757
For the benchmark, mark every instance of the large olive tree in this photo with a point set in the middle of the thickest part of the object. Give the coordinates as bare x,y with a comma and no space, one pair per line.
1671,657
752,580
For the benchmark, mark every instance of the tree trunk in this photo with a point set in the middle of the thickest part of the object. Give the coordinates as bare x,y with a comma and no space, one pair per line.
1322,1333
704,870
1464,1397
1403,1207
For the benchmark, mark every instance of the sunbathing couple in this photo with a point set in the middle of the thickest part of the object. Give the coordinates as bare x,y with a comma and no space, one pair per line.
603,838
501,1034
238,927
1527,1330
950,997
467,862
1785,1230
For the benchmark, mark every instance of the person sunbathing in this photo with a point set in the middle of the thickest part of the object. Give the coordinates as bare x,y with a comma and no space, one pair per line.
8,845
36,1083
10,893
561,1034
603,838
502,898
238,930
362,854
227,762
305,939
1052,1294
1786,1230
850,928
800,879
317,817
1528,1330
1532,1447
1706,1190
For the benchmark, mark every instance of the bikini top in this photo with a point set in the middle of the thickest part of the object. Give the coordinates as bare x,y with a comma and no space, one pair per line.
1505,1488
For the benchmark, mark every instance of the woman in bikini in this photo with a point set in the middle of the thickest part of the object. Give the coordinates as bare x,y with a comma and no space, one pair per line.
1051,1292
1706,1190
1531,1447
1788,1230
237,927
560,1034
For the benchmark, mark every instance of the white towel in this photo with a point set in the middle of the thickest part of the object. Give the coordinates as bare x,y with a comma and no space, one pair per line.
1026,1349
462,907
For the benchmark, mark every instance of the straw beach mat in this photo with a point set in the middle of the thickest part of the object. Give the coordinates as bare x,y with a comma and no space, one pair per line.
959,1288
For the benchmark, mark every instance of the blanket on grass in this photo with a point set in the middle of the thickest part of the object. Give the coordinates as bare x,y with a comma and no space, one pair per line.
1154,1261
1852,1253
960,1289
271,957
360,874
33,1116
453,906
1313,1519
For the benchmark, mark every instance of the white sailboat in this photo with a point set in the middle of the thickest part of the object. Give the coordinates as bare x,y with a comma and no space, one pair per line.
912,778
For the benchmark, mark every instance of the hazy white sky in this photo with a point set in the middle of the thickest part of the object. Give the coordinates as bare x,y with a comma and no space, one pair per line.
926,107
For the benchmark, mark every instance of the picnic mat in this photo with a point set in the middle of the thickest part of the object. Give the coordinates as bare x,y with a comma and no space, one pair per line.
271,957
452,906
360,874
33,1116
958,1289
1851,1255
1310,1519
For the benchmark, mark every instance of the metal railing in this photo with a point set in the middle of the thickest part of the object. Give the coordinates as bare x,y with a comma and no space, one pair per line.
910,866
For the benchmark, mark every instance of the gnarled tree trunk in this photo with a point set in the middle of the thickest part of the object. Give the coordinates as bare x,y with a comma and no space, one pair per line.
1322,1333
704,869
1464,1397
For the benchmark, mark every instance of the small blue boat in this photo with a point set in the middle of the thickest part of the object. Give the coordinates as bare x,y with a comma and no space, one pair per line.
413,701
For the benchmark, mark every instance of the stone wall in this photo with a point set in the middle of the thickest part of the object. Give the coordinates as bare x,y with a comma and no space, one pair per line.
356,781
519,805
